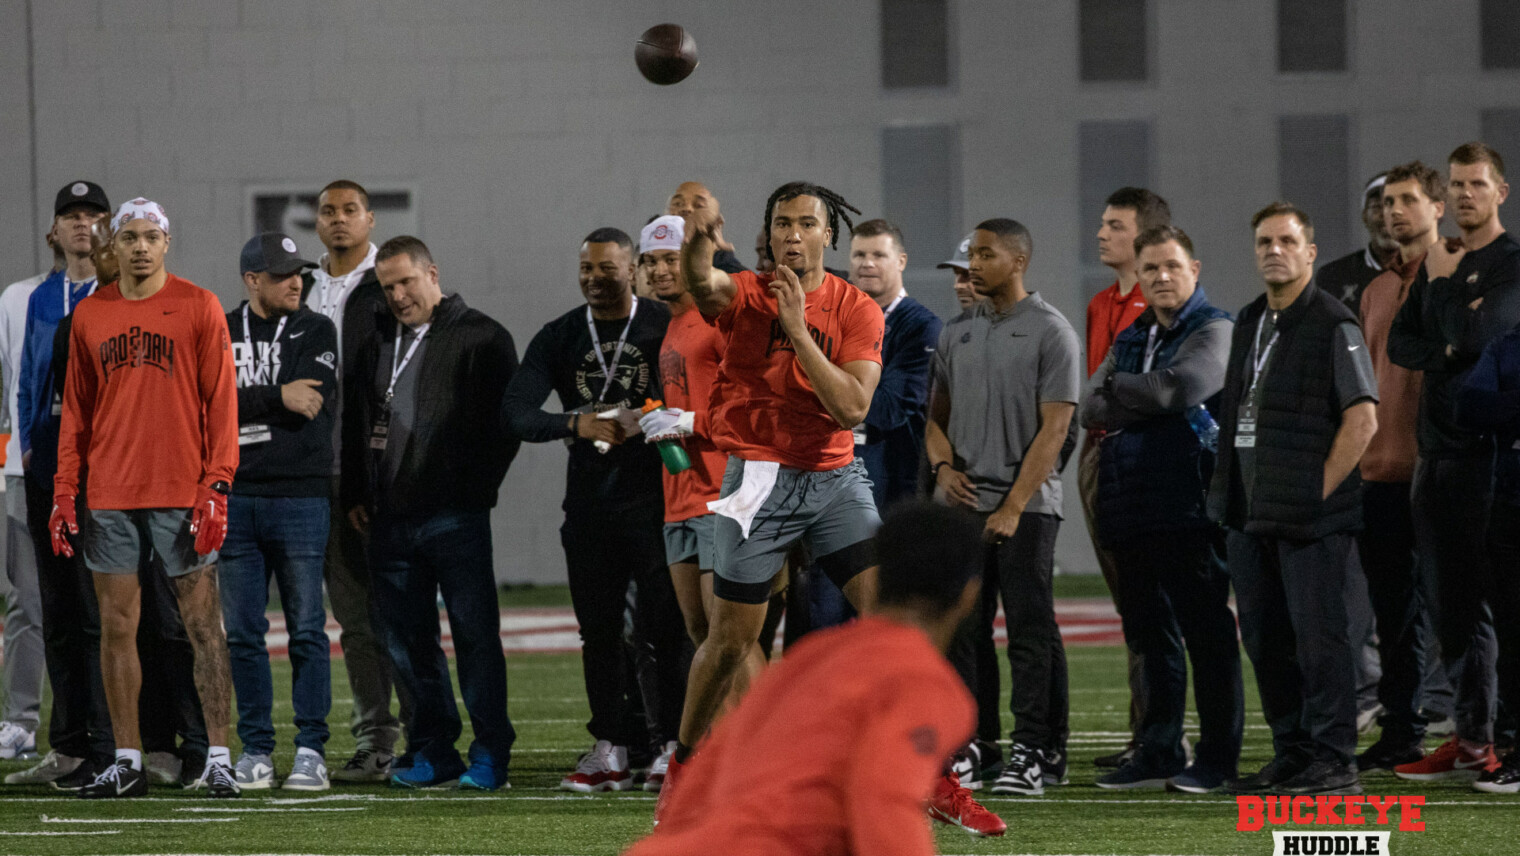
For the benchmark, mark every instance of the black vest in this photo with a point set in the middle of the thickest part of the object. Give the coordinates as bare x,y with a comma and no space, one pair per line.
1298,416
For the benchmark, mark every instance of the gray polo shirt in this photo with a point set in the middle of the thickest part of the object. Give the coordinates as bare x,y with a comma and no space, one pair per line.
997,371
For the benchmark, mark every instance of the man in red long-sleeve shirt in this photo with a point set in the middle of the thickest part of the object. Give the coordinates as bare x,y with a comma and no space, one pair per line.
837,748
150,411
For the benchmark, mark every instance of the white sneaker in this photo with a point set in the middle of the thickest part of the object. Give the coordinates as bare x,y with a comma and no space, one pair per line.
604,768
367,765
656,778
254,772
52,768
163,768
17,742
309,773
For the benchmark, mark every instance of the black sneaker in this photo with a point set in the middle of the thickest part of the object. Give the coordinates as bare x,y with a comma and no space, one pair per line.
1117,759
82,775
192,764
1138,774
978,763
1277,771
1388,753
1504,780
118,780
1053,766
219,781
1322,778
1022,774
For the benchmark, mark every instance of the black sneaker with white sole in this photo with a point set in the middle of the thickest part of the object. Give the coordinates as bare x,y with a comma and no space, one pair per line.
1503,780
219,781
1053,767
1022,773
118,780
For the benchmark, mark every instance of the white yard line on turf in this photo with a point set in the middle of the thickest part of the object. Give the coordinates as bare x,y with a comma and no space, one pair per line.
80,832
278,810
46,819
442,795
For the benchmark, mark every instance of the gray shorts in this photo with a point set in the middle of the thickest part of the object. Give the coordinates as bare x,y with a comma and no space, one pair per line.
689,539
119,542
831,513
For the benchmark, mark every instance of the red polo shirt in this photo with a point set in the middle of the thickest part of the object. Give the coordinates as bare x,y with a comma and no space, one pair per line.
1108,313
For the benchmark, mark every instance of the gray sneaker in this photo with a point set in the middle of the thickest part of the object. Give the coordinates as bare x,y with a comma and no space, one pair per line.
367,765
163,767
309,773
51,768
254,772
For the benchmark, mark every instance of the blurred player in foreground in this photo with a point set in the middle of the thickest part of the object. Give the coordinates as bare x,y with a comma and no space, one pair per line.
837,748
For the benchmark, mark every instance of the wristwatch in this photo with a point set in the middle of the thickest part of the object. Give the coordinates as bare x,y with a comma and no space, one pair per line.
221,487
934,470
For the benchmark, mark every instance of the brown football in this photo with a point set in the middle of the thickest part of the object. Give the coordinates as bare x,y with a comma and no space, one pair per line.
665,54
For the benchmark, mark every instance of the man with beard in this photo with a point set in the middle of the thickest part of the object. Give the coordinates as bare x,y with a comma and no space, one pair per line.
601,359
1346,277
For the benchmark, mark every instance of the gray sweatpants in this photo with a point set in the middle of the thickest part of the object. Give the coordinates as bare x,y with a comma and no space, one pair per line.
24,669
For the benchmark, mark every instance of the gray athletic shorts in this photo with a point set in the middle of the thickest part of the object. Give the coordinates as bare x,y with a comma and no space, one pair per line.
690,539
831,513
117,542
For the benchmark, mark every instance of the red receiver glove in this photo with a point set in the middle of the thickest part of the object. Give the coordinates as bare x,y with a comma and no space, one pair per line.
62,523
208,520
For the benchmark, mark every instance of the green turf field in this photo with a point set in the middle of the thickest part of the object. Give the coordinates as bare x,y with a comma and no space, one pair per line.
549,709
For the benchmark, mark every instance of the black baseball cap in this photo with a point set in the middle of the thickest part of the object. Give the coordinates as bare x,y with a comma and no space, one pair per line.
81,193
274,252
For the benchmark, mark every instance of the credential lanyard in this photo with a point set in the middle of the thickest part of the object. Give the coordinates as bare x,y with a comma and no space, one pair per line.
248,334
1260,355
1152,344
398,362
67,289
617,353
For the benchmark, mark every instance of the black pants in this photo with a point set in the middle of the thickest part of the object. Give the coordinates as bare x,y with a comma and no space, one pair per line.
604,553
1176,597
1452,500
1290,595
1040,699
1387,549
973,653
1504,596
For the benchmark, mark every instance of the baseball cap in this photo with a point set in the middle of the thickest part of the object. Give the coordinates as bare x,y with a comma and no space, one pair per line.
81,193
274,252
962,257
663,233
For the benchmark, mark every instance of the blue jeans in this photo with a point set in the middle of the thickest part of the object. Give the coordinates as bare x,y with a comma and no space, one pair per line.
284,538
412,559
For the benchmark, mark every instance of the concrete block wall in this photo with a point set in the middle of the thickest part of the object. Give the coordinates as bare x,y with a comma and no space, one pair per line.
522,125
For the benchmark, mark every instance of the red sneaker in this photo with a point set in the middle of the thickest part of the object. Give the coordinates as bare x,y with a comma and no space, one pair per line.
604,768
953,804
667,787
1450,762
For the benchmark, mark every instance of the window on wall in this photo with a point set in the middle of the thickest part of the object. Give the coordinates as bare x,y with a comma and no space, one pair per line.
1501,129
1110,155
1314,173
1311,35
915,44
1113,40
920,195
1499,24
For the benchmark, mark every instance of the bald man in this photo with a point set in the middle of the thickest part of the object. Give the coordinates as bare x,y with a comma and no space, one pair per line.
693,195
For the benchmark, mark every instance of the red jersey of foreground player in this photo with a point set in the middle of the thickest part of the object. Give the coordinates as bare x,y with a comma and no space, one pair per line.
151,398
834,750
763,405
689,361
1109,313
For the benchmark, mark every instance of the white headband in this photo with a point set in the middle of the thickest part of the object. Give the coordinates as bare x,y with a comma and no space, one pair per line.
662,233
141,209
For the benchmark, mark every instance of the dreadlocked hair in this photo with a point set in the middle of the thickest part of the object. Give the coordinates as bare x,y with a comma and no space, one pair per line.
833,202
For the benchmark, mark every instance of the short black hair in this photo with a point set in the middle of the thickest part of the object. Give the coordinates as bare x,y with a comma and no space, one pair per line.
610,235
404,245
877,227
1151,211
1012,233
345,184
928,553
1286,209
1161,235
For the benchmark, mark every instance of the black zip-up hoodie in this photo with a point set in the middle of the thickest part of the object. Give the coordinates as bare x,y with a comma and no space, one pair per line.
458,451
296,458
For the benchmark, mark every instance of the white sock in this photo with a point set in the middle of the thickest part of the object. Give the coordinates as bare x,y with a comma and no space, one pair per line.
304,751
131,756
218,754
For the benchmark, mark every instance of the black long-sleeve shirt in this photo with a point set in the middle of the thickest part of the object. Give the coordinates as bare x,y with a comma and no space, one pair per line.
282,453
560,359
1437,314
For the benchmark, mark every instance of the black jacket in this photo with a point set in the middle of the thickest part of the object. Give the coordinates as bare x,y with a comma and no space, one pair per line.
1346,278
1298,416
296,459
364,306
457,453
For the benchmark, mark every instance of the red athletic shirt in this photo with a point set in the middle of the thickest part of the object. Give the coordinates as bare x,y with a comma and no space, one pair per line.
151,400
763,405
1108,314
834,750
689,361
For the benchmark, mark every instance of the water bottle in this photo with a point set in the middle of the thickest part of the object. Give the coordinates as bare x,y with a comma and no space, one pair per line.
1204,426
671,451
